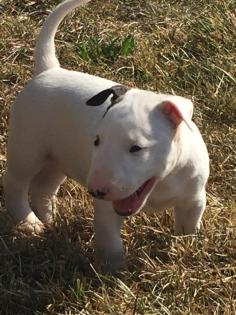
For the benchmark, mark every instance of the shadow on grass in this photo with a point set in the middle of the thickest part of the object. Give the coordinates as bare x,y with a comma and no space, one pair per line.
37,271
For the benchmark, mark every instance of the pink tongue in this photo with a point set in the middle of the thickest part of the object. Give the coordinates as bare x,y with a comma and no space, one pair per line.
127,206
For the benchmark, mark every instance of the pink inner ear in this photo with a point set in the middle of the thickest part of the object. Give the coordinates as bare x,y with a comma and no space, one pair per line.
172,113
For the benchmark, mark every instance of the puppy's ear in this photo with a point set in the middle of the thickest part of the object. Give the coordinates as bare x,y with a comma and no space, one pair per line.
116,91
177,110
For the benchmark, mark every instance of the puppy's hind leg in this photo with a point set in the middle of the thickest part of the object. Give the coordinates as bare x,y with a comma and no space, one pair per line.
16,185
43,190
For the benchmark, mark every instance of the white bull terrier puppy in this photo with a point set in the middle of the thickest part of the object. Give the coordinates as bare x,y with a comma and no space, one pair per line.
128,144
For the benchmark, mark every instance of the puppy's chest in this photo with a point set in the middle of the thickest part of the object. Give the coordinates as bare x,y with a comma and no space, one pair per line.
166,193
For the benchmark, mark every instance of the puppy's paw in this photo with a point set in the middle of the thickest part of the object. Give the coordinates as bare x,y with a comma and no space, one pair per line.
112,264
35,228
185,230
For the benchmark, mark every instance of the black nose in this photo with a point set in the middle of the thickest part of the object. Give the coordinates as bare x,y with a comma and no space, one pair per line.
97,194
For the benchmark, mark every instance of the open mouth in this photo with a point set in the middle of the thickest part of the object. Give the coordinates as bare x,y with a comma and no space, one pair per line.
132,203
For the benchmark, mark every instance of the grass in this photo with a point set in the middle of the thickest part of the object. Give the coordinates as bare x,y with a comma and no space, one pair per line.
182,47
110,50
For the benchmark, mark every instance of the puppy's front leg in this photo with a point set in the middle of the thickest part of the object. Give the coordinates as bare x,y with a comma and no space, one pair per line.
109,247
188,215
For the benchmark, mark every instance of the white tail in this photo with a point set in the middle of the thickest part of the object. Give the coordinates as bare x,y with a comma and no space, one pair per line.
45,55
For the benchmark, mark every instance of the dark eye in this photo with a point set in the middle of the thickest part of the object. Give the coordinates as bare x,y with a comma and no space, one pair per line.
135,148
97,141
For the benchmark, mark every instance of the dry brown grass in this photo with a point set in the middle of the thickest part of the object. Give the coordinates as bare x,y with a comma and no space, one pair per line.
185,47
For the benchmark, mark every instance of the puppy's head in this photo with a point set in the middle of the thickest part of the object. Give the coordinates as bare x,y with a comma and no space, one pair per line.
135,145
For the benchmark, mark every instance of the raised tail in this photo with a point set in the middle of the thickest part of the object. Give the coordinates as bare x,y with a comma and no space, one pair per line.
44,54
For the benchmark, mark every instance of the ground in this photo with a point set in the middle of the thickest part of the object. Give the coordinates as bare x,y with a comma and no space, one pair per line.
182,47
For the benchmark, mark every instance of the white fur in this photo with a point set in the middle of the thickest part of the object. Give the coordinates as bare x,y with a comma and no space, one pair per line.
51,136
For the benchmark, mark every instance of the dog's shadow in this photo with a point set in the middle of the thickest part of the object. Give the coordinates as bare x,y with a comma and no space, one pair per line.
36,269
